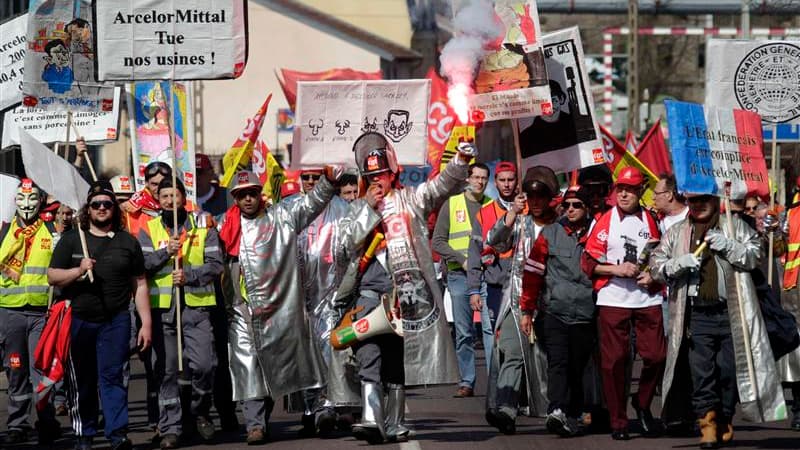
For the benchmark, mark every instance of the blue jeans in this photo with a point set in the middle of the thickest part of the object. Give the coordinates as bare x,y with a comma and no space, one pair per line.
98,357
462,320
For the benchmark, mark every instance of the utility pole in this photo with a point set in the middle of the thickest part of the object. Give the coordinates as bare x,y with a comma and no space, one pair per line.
633,66
745,19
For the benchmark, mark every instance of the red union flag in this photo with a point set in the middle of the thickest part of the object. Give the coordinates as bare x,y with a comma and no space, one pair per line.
441,119
291,77
241,152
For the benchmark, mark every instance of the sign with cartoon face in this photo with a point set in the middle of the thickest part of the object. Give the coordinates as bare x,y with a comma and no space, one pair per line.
170,39
12,60
60,59
331,115
97,127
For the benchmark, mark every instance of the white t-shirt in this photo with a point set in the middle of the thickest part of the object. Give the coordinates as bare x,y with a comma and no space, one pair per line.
669,221
626,235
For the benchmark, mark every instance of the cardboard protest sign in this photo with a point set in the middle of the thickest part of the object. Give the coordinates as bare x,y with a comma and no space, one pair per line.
714,146
331,115
148,110
170,39
59,62
97,127
52,173
512,79
567,139
760,76
12,60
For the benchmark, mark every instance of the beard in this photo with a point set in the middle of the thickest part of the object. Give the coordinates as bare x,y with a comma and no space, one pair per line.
101,223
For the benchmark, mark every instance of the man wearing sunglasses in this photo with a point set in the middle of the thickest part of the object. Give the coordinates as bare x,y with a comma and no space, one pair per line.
190,287
627,296
555,288
309,178
143,205
272,352
515,362
101,323
706,294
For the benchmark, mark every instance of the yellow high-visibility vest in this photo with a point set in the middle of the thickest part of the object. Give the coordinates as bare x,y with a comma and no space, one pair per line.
460,226
193,250
32,288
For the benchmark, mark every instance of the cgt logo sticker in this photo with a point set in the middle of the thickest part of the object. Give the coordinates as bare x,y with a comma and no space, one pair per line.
362,326
14,361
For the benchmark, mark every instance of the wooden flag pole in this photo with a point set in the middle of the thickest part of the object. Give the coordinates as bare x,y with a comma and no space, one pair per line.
742,318
81,233
176,266
518,151
775,168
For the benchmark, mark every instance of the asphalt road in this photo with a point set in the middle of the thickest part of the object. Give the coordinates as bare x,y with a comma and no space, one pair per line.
441,422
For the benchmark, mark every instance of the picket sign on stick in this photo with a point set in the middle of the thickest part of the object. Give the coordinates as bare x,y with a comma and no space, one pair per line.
176,289
81,233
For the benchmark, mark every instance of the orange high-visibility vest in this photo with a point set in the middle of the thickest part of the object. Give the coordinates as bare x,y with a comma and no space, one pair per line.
792,265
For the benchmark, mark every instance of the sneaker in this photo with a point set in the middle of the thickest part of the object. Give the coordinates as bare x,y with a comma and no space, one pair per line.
205,428
122,444
256,436
169,441
556,423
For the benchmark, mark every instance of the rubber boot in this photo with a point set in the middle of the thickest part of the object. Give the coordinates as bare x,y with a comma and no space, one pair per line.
396,413
708,430
372,425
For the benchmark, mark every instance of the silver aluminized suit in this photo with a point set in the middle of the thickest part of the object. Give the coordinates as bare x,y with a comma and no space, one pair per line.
271,348
520,238
761,399
326,247
429,353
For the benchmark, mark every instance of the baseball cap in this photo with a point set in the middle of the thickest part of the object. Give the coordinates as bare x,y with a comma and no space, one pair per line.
100,187
245,179
630,176
504,166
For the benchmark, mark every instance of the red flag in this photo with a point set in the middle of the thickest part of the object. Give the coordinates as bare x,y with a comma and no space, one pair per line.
612,148
630,143
652,152
291,77
441,119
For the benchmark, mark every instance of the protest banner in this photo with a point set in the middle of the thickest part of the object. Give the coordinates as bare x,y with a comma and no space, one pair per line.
755,76
512,79
149,113
60,57
568,138
170,39
12,60
331,115
96,127
714,146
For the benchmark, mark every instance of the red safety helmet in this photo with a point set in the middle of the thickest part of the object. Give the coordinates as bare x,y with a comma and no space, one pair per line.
630,176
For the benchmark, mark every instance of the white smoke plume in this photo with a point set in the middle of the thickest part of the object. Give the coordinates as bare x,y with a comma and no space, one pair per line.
475,29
